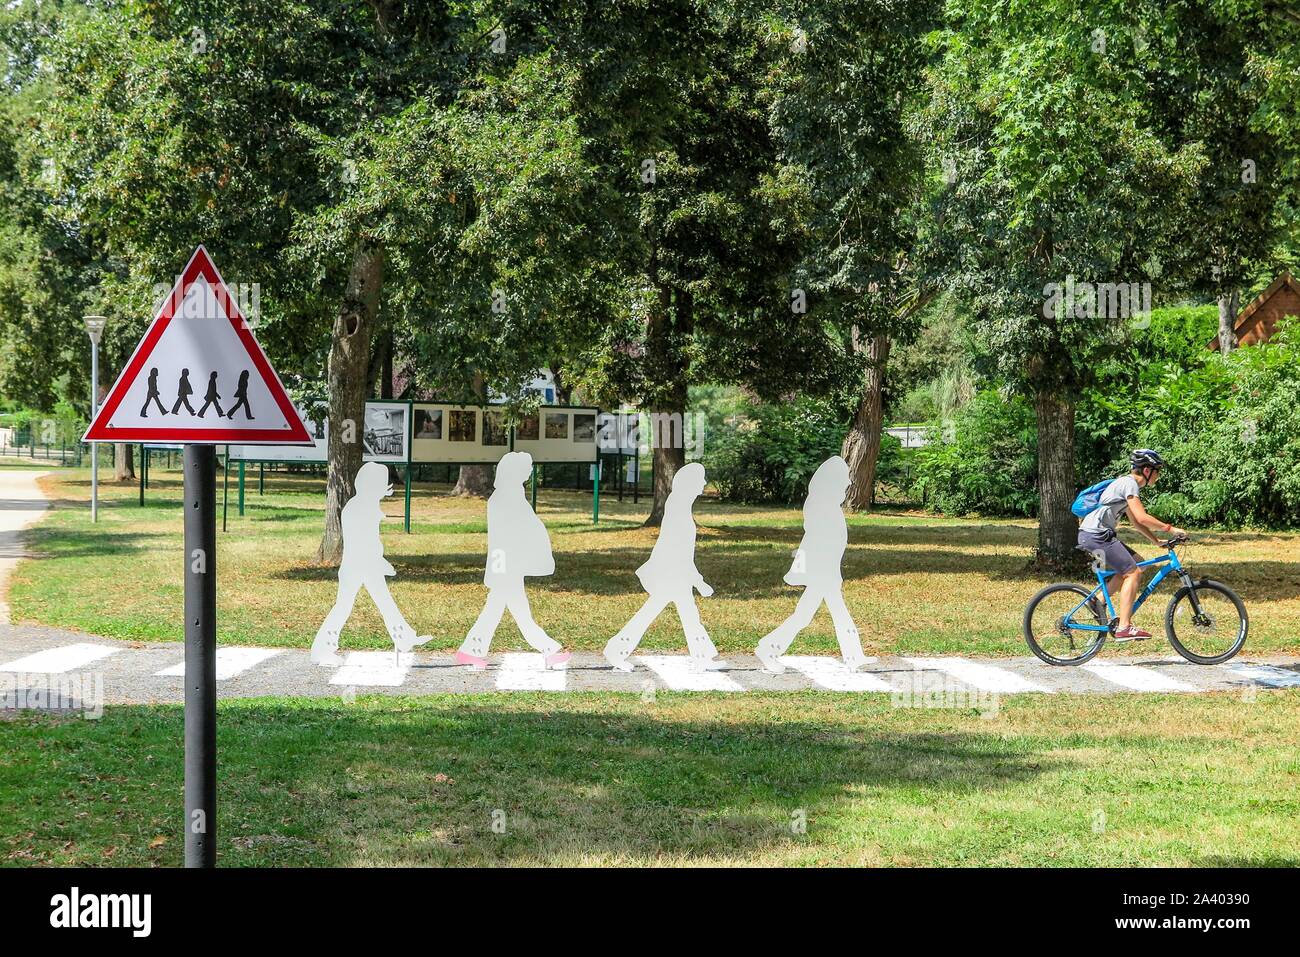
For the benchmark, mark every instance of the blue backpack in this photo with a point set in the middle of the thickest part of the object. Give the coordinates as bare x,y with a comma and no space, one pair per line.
1089,500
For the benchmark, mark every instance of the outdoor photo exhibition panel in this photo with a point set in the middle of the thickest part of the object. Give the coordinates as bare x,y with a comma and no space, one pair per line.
559,434
384,434
458,434
469,434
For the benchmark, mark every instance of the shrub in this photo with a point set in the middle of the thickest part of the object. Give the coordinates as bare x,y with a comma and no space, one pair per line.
770,455
1231,433
983,462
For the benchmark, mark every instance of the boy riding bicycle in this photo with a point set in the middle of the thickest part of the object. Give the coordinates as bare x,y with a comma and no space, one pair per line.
1098,537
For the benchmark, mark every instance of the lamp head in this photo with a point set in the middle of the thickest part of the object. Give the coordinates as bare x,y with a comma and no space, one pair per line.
95,327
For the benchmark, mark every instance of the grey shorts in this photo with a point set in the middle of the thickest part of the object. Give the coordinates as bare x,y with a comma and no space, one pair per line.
1106,548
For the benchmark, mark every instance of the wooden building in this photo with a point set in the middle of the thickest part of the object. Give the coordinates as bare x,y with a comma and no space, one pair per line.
1258,321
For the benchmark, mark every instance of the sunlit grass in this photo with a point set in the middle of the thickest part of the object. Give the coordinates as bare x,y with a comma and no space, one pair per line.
585,779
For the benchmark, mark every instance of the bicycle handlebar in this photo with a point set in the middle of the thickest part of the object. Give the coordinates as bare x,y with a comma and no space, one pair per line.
1173,542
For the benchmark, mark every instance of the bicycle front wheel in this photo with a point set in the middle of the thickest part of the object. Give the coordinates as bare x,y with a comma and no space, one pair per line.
1052,626
1212,633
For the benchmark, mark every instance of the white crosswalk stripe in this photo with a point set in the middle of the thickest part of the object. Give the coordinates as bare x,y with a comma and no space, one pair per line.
528,672
55,661
1136,677
1268,675
230,662
833,675
379,668
982,677
678,674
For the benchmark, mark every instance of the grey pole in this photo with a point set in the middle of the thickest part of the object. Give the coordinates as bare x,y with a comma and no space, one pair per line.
94,329
200,655
94,448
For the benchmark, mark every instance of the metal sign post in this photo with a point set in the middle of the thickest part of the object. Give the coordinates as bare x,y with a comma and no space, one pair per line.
200,656
94,329
197,327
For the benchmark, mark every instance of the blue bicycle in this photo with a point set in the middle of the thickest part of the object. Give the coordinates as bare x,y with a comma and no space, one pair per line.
1066,624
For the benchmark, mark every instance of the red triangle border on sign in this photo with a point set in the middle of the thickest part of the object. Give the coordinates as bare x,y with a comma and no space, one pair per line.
200,264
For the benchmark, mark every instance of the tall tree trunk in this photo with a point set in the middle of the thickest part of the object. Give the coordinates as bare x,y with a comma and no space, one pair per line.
1057,528
123,459
666,364
667,424
861,449
384,372
475,480
349,364
123,462
1227,321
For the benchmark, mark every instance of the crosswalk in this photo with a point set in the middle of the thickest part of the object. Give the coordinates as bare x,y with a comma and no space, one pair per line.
1136,679
231,662
982,677
833,675
282,671
677,674
528,672
60,660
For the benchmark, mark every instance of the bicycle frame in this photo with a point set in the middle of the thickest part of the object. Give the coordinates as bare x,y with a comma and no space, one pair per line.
1171,566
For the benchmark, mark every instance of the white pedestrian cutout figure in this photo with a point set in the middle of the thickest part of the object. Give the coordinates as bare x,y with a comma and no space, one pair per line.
364,566
518,548
816,566
670,577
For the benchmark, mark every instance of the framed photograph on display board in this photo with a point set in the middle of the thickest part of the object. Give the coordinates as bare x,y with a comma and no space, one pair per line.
458,434
559,434
386,432
464,425
494,428
428,425
528,429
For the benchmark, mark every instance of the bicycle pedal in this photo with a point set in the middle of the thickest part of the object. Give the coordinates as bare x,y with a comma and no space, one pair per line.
1119,641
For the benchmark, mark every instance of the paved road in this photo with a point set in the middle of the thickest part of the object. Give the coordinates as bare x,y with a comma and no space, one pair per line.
32,656
134,672
21,504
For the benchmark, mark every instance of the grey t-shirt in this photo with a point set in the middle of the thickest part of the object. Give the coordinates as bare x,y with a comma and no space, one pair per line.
1114,503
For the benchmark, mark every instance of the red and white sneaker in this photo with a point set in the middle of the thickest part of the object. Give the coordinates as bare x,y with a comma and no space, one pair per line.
1131,633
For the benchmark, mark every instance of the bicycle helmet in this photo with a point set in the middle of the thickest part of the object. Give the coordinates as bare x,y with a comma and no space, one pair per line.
1145,459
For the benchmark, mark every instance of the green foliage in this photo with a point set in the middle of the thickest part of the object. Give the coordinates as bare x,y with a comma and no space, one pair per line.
985,463
1231,433
64,426
771,454
1229,427
1113,410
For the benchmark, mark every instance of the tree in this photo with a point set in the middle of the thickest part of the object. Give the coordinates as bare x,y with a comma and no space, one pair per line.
707,220
1055,213
1199,65
840,120
364,164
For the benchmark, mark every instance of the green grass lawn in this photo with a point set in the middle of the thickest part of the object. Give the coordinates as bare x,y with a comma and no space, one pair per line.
682,779
916,583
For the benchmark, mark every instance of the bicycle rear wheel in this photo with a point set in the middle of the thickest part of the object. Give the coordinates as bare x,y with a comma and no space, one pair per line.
1213,635
1051,626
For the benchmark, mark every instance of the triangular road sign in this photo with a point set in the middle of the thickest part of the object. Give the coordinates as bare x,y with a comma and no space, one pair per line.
198,376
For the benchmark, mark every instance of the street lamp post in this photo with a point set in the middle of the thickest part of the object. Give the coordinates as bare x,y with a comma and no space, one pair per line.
94,329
